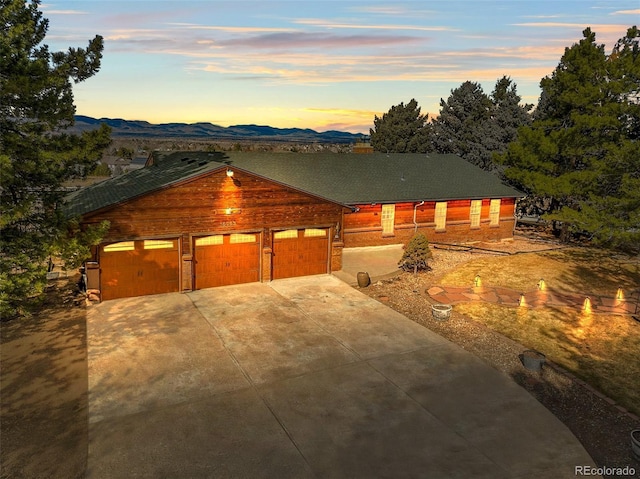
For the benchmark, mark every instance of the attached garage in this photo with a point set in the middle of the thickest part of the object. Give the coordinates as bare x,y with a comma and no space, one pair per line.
138,268
300,252
221,260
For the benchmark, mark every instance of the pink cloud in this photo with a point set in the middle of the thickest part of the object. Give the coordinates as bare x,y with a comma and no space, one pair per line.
316,40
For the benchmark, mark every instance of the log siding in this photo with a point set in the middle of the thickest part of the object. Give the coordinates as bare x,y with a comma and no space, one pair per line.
219,204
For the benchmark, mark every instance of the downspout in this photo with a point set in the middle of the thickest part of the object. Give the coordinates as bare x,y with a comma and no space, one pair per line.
415,210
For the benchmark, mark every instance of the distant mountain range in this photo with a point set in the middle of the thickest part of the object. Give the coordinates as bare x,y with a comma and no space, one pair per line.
143,129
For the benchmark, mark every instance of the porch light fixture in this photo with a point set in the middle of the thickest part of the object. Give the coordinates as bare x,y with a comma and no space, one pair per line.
620,294
541,285
229,172
228,211
476,281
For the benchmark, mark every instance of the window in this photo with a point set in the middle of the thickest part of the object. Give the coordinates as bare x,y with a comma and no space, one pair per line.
209,240
242,238
158,244
286,234
441,215
494,213
474,213
122,246
314,233
388,218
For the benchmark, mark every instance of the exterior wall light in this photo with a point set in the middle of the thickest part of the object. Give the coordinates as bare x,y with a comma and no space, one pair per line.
229,172
227,211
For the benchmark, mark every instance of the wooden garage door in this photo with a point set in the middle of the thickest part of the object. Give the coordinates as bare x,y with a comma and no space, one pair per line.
300,252
226,259
138,268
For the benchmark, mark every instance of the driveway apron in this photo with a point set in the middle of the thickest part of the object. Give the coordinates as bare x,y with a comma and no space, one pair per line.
302,377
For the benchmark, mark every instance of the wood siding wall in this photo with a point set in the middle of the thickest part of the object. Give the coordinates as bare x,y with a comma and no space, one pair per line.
364,228
217,204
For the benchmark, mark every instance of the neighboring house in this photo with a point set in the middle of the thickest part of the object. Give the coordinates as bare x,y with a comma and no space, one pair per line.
116,165
192,220
137,163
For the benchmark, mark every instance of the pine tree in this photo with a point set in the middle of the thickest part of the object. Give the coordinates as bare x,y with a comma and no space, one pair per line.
459,127
36,155
476,126
403,129
581,153
416,254
507,115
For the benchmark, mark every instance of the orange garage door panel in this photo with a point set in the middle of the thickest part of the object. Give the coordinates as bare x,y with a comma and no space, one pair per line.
222,260
300,252
138,268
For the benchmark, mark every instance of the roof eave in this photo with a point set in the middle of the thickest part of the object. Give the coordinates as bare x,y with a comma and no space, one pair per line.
418,200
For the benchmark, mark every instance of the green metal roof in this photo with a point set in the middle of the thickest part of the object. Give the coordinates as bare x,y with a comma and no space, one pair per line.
348,179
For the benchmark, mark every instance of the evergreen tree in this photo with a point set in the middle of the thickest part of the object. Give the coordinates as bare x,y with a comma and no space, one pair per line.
416,254
36,155
581,153
459,128
475,126
507,115
403,129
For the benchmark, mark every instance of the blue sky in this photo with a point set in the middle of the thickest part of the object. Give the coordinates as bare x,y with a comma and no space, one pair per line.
323,64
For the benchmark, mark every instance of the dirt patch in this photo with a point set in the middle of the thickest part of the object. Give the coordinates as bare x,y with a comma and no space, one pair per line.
43,411
603,428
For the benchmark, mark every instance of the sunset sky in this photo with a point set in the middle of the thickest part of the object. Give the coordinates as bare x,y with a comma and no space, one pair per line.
323,64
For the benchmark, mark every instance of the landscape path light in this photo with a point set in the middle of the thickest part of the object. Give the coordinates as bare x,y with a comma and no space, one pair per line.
586,307
522,301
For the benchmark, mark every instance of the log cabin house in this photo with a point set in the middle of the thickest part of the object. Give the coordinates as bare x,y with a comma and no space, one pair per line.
193,220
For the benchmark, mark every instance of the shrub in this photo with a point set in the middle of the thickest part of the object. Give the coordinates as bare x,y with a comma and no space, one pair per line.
416,254
102,170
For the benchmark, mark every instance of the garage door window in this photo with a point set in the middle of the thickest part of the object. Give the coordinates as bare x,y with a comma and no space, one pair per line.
242,238
158,244
122,246
315,233
286,234
209,240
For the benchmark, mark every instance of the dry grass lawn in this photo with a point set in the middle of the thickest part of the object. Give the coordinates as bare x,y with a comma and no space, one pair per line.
601,349
588,271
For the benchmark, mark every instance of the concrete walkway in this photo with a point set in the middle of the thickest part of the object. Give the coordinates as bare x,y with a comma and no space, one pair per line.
534,299
379,262
302,378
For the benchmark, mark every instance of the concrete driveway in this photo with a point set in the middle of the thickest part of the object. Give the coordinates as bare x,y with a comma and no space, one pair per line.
304,377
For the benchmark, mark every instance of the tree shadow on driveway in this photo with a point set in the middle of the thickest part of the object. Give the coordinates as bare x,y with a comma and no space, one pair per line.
44,409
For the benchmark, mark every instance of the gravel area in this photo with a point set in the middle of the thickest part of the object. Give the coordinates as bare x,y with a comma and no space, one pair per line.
603,429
